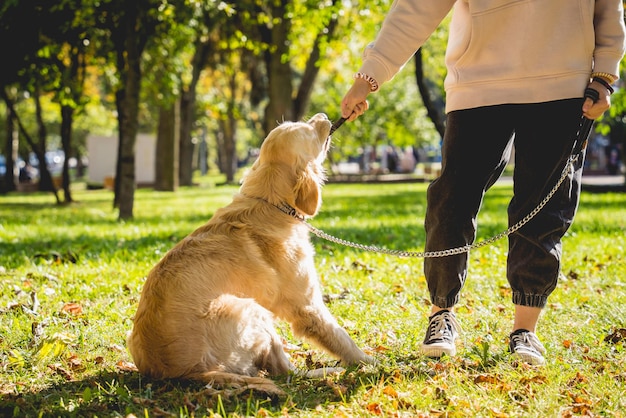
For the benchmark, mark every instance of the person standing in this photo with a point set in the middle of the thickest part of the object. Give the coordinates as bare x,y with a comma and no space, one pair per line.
516,74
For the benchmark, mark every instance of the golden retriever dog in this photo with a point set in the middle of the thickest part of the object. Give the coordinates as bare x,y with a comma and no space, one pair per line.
207,308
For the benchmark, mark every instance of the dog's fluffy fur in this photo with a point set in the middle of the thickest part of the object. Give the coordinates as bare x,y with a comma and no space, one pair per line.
207,308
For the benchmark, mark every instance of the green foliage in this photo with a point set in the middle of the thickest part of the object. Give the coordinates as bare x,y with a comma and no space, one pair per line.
396,115
71,276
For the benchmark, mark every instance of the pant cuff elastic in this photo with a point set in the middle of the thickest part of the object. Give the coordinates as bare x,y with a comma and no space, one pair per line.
533,301
444,303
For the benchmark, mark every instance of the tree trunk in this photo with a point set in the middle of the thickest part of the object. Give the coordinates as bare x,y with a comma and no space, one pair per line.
10,152
185,164
45,178
230,148
203,48
227,141
435,107
67,116
129,68
280,85
127,142
38,148
303,97
119,98
167,145
74,77
227,148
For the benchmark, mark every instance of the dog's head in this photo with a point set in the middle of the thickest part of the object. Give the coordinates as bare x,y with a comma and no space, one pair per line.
289,168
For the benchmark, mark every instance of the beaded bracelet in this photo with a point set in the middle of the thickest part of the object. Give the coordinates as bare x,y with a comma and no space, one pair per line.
610,78
372,82
604,83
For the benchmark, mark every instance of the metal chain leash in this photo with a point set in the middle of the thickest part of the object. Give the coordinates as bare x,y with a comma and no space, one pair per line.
457,250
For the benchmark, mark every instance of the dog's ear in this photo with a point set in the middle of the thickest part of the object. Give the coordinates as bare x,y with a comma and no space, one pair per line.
308,193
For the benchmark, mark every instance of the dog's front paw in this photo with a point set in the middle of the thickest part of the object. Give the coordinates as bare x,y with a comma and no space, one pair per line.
361,360
369,360
323,372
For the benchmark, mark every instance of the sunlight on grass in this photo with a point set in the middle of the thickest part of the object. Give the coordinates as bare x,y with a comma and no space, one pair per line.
71,278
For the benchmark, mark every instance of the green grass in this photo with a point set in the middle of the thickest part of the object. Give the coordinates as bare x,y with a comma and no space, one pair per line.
70,279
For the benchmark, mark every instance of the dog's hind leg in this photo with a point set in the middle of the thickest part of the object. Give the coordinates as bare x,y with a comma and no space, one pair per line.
243,338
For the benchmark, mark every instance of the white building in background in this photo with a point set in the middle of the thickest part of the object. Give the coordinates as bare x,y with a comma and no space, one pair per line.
102,153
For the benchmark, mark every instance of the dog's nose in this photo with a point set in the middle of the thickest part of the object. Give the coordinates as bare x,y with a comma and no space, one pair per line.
319,116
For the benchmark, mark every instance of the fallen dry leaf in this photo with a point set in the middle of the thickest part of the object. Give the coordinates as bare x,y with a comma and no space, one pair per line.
117,347
487,378
359,265
390,391
342,414
143,401
398,288
497,414
61,371
572,275
618,334
75,363
397,376
125,366
329,298
162,412
338,389
72,308
535,379
374,408
580,378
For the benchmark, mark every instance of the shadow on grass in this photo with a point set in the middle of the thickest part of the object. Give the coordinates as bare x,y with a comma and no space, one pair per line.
123,393
63,249
397,216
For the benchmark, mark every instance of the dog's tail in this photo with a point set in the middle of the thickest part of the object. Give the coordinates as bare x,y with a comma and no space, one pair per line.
237,381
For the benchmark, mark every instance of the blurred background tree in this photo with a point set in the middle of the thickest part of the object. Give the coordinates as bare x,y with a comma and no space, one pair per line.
208,79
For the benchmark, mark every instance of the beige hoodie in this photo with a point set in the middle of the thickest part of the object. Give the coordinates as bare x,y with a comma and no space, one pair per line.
505,51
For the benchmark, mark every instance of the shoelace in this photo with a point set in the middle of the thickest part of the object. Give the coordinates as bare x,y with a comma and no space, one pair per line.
443,326
529,341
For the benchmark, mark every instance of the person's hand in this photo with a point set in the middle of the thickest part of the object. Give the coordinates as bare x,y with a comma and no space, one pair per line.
593,110
354,104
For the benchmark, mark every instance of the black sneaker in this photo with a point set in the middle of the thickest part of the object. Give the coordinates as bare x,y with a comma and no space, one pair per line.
442,330
526,346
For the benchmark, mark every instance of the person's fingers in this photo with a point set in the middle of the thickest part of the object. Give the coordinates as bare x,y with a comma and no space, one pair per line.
347,107
358,110
350,113
354,104
350,105
593,110
587,104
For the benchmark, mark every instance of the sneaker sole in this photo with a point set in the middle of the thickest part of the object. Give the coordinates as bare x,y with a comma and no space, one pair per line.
529,359
436,352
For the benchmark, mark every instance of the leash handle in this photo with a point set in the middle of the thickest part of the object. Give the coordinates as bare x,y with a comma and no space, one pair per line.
580,142
336,125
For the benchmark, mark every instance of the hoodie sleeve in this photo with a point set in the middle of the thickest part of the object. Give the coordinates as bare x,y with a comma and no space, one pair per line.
406,27
610,36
